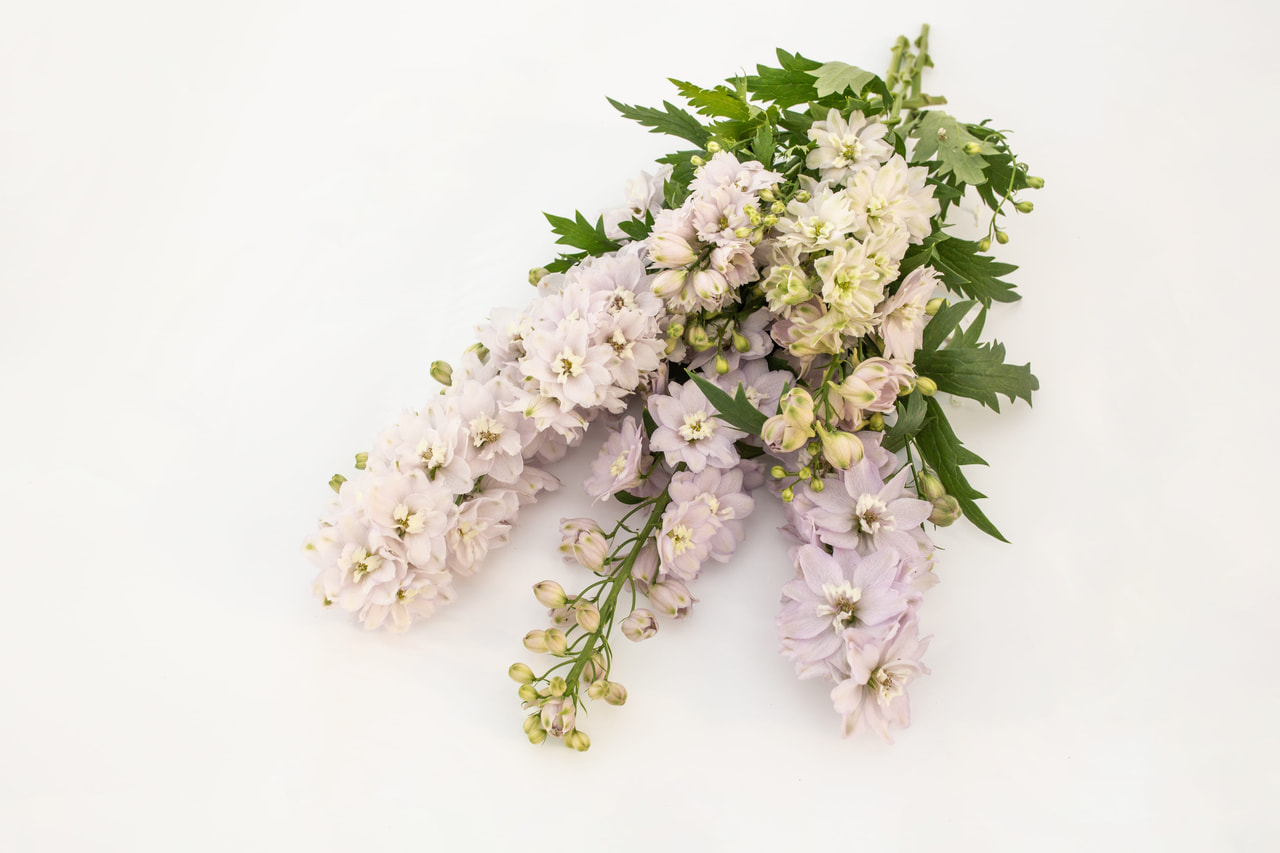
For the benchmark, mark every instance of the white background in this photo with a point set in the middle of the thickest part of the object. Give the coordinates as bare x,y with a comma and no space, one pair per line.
233,236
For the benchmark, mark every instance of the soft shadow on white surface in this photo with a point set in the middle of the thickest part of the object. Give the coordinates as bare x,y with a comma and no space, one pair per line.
232,238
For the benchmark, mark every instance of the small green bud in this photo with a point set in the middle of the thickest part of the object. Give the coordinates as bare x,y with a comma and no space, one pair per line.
696,336
362,461
520,673
788,494
597,688
481,351
615,694
933,306
778,472
1034,182
1024,207
926,386
817,485
557,686
875,423
577,740
984,244
972,148
766,194
777,208
769,221
696,160
528,693
550,594
742,233
537,736
536,641
740,342
442,372
588,616
803,196
804,473
557,643
531,722
672,343
1002,237
722,364
537,274
930,486
713,147
946,510
675,330
336,481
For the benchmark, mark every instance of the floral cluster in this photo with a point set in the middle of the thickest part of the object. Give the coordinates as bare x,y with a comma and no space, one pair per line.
779,307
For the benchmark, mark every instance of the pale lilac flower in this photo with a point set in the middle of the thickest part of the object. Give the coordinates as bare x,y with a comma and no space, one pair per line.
834,592
642,194
673,241
873,386
582,541
689,431
418,597
483,522
724,170
569,367
902,326
621,462
433,442
639,625
359,564
868,514
844,147
722,492
685,539
718,214
408,506
874,695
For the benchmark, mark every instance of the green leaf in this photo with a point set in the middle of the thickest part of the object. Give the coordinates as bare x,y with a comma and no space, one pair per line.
945,454
581,234
736,410
963,268
786,86
762,147
969,337
564,262
910,420
635,229
941,325
836,77
682,172
939,134
748,451
628,498
979,373
720,102
673,122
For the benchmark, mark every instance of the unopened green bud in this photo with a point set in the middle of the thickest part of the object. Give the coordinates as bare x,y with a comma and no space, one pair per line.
778,472
616,694
931,487
675,330
984,244
769,221
528,693
531,722
696,336
777,208
537,736
875,423
696,160
803,196
972,148
577,740
722,364
1034,182
442,372
550,594
926,386
1002,237
933,306
520,673
588,616
788,494
946,510
740,342
557,686
766,194
713,147
1024,207
742,233
362,461
536,641
597,688
817,485
753,214
537,274
336,481
557,643
804,473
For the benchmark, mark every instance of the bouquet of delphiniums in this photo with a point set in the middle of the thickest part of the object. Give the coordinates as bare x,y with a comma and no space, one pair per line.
776,306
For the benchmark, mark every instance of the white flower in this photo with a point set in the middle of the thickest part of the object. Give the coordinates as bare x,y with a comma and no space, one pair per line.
569,367
893,196
902,328
822,222
845,147
724,170
851,285
643,194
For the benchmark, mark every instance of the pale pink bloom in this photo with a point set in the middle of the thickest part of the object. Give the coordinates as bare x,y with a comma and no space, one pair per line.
620,463
689,431
868,514
568,365
483,522
434,442
902,326
642,194
724,170
359,564
408,506
874,695
722,491
671,597
685,539
761,386
418,597
719,213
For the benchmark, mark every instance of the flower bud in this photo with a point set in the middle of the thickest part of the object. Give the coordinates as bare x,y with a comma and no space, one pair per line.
550,594
946,510
777,208
675,330
528,693
817,485
645,569
1002,237
713,147
583,541
933,306
803,196
696,337
742,233
442,372
766,194
640,625
577,740
532,722
1024,207
562,617
722,364
536,641
781,436
671,597
926,386
740,342
597,688
520,673
778,472
788,495
557,642
696,160
797,410
362,461
336,481
588,616
804,473
841,449
537,274
537,736
984,244
931,487
669,249
1034,182
875,423
668,283
595,669
557,686
615,693
972,148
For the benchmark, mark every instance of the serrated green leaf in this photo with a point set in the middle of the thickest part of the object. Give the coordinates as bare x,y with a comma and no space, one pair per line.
944,453
786,86
942,324
635,229
762,146
941,137
581,234
910,420
682,172
720,102
836,77
736,411
970,336
963,268
673,122
979,373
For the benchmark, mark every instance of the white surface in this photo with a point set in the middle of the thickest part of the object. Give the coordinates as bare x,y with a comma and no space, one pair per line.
232,237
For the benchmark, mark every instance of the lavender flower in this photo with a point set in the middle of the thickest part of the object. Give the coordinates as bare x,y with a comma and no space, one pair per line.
689,431
620,462
862,512
874,695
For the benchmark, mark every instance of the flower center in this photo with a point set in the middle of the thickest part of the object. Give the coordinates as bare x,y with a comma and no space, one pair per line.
619,465
696,427
871,513
851,150
568,364
407,521
485,429
619,300
841,604
886,685
433,454
363,563
621,346
681,539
